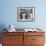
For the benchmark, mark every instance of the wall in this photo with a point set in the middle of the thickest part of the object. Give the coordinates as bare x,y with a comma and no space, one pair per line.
8,13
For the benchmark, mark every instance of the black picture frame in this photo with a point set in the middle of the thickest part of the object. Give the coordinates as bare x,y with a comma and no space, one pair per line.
26,14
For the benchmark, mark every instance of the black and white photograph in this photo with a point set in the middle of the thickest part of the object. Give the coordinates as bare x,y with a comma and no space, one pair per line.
26,14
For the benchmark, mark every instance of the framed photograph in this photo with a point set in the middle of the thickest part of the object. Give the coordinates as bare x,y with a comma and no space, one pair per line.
26,14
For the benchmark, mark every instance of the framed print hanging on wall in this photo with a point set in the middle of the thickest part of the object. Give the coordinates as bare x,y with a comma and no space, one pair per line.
26,14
